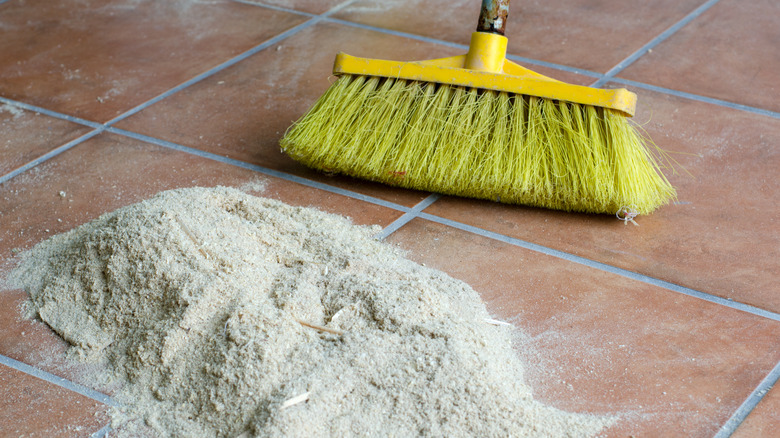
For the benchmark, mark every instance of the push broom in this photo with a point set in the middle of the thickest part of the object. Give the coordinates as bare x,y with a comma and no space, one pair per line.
481,126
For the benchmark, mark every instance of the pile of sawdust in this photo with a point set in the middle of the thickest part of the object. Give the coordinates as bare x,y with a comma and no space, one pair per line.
201,301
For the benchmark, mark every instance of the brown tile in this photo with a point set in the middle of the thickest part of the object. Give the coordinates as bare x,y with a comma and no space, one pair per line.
717,240
102,58
110,171
25,136
310,6
729,52
764,421
251,104
665,363
593,35
35,408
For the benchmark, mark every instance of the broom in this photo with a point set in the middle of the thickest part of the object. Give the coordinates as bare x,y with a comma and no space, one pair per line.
481,126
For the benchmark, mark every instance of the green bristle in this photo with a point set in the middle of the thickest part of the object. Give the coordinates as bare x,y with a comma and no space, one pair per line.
481,144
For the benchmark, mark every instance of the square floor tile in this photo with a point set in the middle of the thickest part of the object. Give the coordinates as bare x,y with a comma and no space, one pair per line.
99,58
730,52
32,407
593,35
25,136
665,363
717,239
110,171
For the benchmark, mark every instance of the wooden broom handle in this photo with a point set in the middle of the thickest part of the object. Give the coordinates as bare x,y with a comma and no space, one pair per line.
492,17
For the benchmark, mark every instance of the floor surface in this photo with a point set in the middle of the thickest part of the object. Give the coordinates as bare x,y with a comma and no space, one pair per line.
674,325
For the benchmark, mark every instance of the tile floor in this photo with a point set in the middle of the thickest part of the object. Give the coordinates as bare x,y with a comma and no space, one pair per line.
674,325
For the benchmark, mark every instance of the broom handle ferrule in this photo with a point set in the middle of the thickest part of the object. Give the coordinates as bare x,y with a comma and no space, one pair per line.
492,17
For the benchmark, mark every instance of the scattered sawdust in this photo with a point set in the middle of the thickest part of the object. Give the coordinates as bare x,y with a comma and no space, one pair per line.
16,112
257,185
202,303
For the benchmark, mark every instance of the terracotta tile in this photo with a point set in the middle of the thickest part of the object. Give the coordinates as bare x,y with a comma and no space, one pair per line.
105,57
110,171
27,135
310,6
593,35
727,207
252,104
729,52
35,408
765,418
667,364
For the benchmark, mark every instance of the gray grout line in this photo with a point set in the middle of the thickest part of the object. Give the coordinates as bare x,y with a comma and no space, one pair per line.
407,217
604,267
260,169
654,42
739,416
52,153
59,381
50,113
102,432
699,98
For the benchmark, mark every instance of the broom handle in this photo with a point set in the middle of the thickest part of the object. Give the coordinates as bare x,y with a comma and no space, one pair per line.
492,17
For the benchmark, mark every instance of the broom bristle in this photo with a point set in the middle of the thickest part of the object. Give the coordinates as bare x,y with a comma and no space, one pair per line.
480,144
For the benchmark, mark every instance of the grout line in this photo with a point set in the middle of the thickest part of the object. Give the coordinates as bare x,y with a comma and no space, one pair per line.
699,98
407,217
50,113
59,381
654,42
52,153
260,169
752,401
736,305
102,432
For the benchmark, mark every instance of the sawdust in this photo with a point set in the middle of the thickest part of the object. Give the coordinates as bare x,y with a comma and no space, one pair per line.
201,303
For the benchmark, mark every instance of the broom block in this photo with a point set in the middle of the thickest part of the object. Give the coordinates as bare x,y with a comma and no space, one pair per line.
514,78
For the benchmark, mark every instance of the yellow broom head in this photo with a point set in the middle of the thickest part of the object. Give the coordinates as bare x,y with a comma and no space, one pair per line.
483,143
